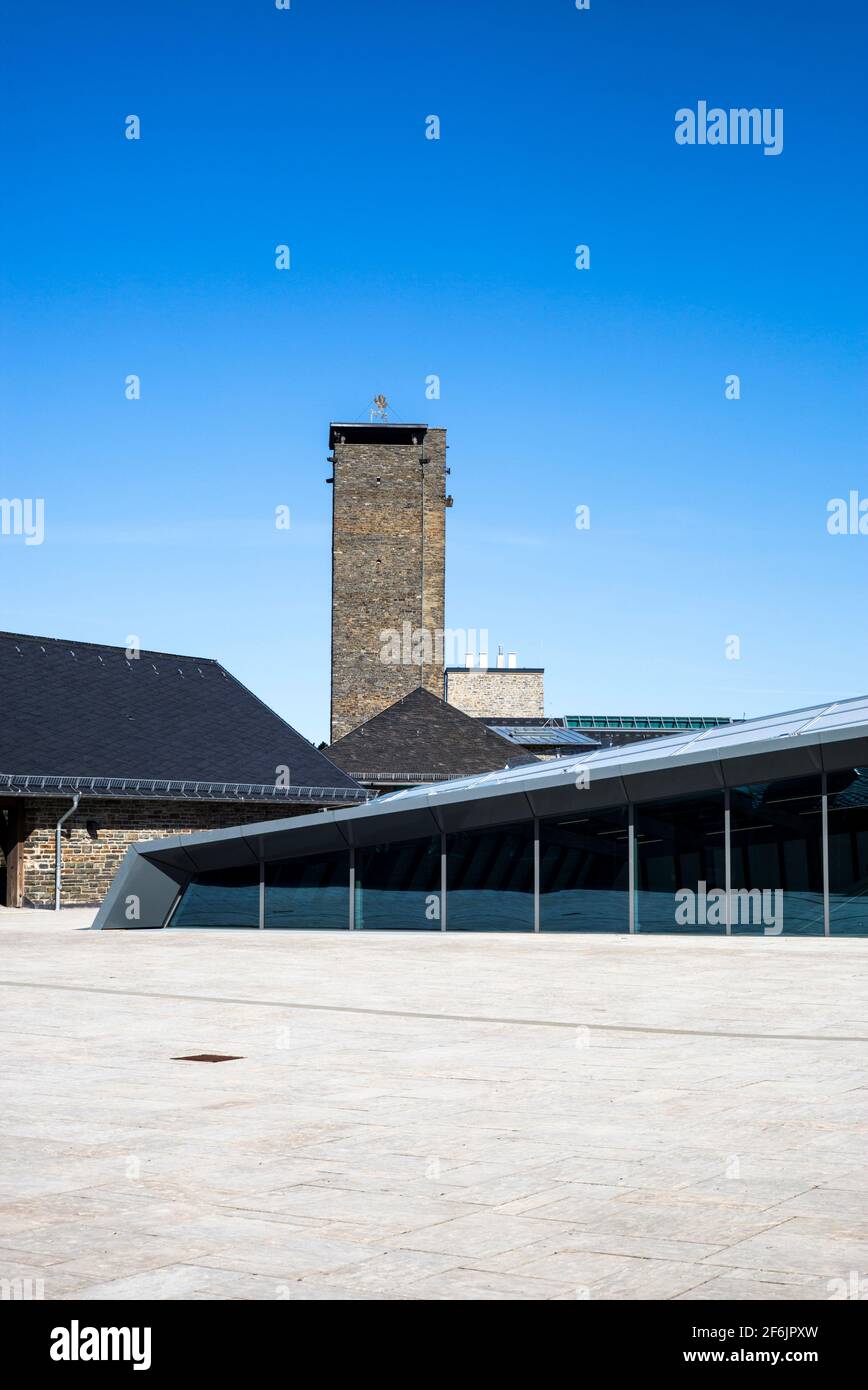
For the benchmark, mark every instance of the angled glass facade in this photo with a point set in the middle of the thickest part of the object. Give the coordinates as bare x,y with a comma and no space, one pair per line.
584,872
787,857
680,853
310,892
776,836
220,898
490,879
694,834
848,852
398,886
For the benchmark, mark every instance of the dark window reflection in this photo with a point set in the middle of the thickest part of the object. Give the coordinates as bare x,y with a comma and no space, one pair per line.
848,852
220,898
584,872
681,866
310,893
398,886
777,860
490,879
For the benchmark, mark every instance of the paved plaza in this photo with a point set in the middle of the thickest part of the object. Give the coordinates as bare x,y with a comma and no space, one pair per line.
426,1116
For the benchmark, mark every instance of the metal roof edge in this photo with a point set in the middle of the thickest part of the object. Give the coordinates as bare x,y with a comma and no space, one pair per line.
235,832
543,776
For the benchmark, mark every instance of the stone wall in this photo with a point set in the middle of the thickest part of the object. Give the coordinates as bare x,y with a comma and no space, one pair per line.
497,693
388,571
90,859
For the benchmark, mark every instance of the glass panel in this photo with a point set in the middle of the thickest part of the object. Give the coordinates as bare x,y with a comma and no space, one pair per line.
848,852
776,838
398,886
584,872
681,866
220,898
311,894
490,880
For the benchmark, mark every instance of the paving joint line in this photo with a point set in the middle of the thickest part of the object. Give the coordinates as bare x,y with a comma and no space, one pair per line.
438,1017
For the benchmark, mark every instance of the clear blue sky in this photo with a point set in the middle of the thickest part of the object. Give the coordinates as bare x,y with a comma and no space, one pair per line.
412,257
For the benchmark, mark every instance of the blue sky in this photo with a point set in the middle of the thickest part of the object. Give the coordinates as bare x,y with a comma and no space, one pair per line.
413,257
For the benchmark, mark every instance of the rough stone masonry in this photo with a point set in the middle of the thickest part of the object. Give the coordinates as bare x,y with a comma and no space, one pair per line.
96,838
388,564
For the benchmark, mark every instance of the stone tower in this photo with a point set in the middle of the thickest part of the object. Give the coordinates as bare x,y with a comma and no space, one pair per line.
388,567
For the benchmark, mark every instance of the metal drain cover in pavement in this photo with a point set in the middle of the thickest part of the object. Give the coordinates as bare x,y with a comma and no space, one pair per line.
208,1057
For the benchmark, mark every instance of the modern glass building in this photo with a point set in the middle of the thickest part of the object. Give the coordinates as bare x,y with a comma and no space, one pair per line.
757,828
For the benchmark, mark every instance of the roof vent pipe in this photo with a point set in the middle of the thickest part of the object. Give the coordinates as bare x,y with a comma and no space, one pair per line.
66,815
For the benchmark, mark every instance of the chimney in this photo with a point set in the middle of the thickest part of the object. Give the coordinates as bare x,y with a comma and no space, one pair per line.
483,661
512,661
468,661
500,659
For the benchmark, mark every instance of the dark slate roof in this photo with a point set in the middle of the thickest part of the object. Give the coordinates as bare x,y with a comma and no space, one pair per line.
421,738
82,710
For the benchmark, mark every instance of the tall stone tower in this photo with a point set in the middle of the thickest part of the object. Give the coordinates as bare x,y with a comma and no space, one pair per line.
388,567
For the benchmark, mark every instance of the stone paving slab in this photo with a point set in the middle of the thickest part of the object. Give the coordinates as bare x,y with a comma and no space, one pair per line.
430,1117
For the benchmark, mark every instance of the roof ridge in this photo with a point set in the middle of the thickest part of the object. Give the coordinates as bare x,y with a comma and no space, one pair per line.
105,647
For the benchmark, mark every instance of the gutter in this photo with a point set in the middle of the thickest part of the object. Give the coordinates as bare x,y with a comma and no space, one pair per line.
66,815
173,789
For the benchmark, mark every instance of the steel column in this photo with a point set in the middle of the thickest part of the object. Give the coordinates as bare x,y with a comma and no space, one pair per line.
827,926
352,903
536,873
442,881
631,865
727,855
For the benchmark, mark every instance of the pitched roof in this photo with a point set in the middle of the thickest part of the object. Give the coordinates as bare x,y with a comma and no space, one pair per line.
83,710
422,738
